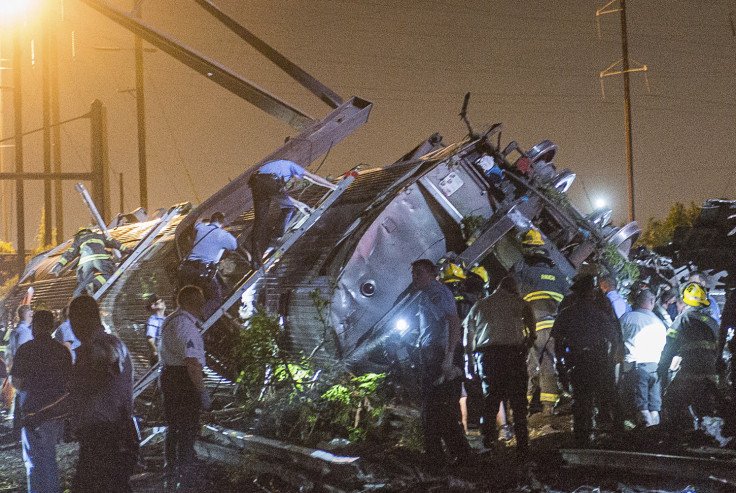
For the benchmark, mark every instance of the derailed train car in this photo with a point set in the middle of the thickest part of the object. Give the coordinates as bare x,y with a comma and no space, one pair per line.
469,202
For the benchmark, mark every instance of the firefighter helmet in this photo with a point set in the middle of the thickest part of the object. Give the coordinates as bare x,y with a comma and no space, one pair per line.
533,238
452,273
480,271
694,295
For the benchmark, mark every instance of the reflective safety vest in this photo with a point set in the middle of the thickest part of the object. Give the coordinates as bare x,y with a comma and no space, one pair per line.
543,286
90,246
693,336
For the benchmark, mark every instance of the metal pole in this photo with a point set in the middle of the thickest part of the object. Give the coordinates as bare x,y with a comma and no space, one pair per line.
46,111
18,124
627,111
141,114
122,195
4,207
56,137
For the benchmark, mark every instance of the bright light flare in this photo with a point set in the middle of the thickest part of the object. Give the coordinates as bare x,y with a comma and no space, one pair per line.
600,203
15,10
401,326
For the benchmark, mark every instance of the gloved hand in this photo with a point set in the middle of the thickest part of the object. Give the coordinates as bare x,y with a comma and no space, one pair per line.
56,269
206,400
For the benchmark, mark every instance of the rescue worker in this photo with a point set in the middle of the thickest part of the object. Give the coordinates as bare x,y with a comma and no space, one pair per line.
441,359
667,297
501,328
156,307
713,309
644,337
728,322
588,342
95,263
65,335
19,336
268,185
199,268
181,350
608,285
693,337
543,285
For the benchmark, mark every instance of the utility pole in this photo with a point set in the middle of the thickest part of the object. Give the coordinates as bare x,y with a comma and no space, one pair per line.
626,69
18,125
141,115
46,114
56,135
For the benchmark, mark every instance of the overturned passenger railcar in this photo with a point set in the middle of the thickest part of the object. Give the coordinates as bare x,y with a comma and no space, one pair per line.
469,202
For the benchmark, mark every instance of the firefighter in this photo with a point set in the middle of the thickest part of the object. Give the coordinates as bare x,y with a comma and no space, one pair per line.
543,285
692,343
95,263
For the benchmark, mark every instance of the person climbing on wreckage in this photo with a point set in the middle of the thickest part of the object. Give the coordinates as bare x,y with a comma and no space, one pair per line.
95,262
268,185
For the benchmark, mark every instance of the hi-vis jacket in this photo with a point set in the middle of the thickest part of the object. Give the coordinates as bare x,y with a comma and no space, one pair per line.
694,337
90,246
543,286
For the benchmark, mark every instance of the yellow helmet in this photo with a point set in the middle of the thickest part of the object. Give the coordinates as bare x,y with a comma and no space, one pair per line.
533,238
452,273
694,295
480,271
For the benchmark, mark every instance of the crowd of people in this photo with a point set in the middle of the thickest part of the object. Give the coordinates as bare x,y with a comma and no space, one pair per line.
649,359
74,380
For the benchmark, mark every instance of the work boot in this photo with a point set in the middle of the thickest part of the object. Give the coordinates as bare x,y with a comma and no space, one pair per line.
505,433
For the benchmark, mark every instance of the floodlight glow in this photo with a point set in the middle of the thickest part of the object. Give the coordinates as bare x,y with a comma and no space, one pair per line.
600,203
401,326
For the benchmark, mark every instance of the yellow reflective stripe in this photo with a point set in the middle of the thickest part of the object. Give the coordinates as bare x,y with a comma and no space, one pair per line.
96,256
63,261
93,240
544,295
672,333
545,324
548,397
100,279
698,345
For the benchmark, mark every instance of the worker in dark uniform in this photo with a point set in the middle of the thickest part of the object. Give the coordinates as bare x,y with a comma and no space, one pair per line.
199,268
693,337
543,285
441,360
500,329
95,263
585,335
728,322
268,185
181,352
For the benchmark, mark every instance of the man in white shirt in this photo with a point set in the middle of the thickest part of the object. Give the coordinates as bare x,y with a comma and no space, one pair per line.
644,337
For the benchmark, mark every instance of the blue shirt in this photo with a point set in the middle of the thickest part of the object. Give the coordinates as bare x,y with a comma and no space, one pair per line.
282,168
620,306
19,336
153,327
714,310
436,303
210,243
64,333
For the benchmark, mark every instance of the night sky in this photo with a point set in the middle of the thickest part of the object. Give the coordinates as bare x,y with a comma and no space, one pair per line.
534,66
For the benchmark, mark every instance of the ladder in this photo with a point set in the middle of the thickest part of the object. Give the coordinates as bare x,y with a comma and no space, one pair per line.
141,247
253,276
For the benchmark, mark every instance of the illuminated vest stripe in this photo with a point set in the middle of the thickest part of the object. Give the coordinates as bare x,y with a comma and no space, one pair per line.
544,295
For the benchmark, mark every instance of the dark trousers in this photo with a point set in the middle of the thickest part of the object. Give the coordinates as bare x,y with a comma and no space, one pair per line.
593,383
197,274
101,466
441,420
687,392
182,403
267,189
503,372
92,275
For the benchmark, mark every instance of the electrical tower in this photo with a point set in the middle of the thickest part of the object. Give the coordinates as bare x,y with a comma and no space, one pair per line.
625,69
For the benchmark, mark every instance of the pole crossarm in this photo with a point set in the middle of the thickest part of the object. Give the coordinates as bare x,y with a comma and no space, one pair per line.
217,73
46,176
608,71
